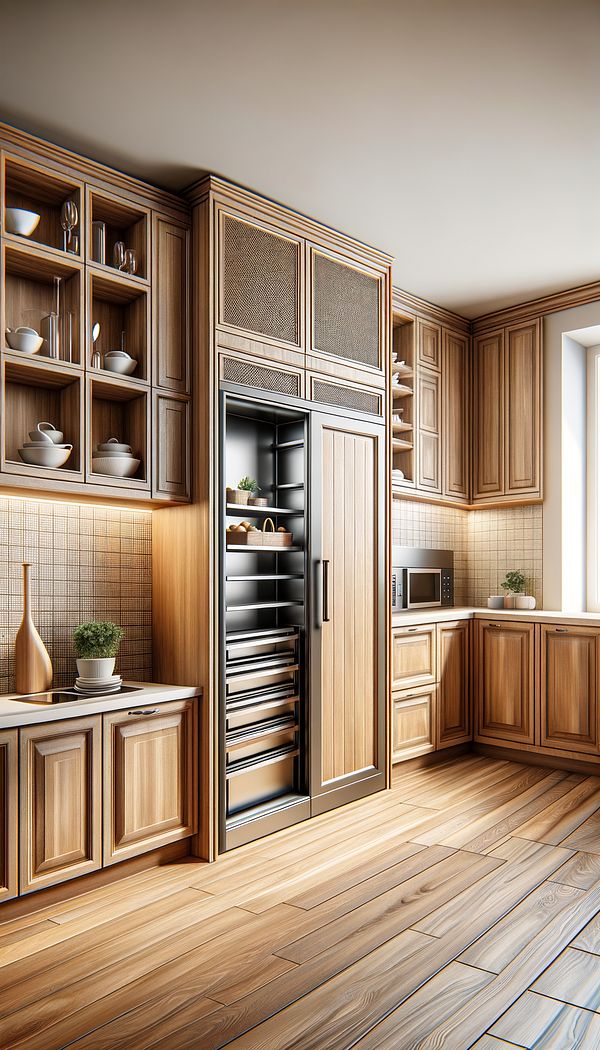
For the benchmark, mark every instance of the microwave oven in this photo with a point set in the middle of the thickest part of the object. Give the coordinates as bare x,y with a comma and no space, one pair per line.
422,578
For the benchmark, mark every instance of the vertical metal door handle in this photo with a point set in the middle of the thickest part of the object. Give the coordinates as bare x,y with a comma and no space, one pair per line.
326,591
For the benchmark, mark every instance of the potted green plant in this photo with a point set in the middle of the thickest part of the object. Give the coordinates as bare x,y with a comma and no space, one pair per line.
245,488
514,583
96,645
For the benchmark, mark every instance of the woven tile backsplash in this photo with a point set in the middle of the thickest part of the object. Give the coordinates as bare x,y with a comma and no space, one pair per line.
486,543
88,563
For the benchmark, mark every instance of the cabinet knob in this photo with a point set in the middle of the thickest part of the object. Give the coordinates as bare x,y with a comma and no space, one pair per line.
144,711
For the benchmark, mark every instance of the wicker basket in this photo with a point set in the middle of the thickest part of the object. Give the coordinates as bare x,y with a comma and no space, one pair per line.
243,538
239,496
272,538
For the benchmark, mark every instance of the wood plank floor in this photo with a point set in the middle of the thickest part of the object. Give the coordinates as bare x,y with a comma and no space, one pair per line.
460,909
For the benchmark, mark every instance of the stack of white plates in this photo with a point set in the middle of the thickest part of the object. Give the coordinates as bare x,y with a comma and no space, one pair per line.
98,686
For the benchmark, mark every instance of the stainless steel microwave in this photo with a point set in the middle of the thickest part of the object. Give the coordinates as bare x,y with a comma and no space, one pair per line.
422,578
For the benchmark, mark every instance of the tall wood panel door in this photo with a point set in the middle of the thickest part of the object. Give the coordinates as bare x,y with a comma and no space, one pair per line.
8,814
488,416
170,304
347,701
455,444
149,778
454,675
60,786
505,681
569,687
429,431
523,409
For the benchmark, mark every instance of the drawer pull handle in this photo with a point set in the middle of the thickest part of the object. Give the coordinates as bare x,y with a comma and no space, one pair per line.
143,711
411,629
562,630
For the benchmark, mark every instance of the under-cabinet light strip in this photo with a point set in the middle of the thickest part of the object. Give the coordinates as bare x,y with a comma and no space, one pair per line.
74,503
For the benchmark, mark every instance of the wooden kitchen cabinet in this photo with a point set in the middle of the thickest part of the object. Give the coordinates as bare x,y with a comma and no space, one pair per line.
454,723
429,415
488,416
414,656
8,813
149,791
429,344
171,306
455,416
504,695
171,432
60,801
413,723
569,687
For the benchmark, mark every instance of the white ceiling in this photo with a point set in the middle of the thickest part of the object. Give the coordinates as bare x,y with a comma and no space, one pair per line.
463,136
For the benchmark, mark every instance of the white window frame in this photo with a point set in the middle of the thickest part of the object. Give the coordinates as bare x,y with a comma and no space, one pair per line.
593,479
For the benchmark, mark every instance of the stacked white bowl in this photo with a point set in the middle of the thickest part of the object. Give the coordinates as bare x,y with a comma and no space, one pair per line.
98,686
45,447
24,339
115,458
120,361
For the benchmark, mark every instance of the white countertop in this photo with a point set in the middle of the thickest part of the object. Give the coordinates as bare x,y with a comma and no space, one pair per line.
462,612
15,712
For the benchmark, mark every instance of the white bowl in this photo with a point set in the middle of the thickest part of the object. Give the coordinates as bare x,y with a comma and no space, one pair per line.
46,444
123,365
46,455
44,431
26,342
117,467
112,445
20,221
109,454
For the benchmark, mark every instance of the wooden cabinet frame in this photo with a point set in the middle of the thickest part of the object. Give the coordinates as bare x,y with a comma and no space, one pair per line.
9,803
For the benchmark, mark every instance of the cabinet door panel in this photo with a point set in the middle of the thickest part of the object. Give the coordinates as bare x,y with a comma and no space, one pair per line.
171,308
454,672
429,415
8,813
348,683
413,656
347,310
569,688
523,408
505,681
60,778
429,345
171,447
149,778
413,723
455,416
488,437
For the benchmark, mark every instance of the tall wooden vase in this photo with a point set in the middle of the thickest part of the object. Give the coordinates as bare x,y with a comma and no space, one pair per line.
33,669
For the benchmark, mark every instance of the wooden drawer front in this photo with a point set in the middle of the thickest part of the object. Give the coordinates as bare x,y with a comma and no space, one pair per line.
569,688
149,778
505,681
60,778
172,447
429,345
454,672
413,656
8,813
413,723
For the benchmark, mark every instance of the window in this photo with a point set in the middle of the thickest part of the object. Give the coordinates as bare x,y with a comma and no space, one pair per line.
593,479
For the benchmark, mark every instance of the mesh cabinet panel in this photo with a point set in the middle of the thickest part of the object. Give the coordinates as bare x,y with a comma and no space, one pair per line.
248,374
347,397
259,281
346,312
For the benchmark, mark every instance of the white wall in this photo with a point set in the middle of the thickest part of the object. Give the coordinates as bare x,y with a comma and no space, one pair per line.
565,341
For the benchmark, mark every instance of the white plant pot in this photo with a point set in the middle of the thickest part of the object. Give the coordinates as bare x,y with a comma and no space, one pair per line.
100,669
496,601
509,601
524,601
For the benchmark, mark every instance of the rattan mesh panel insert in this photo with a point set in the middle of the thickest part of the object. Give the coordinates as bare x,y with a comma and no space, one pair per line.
260,281
347,397
346,312
234,371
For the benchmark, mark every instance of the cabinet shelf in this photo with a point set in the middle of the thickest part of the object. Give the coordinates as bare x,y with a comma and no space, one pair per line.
265,576
282,446
44,192
401,427
238,548
263,605
239,510
401,390
402,446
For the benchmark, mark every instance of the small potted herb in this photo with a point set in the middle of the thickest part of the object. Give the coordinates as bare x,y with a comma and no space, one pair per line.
96,645
246,487
514,583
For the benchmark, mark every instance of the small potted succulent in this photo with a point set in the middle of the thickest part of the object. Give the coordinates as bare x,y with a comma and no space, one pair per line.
96,645
246,487
514,583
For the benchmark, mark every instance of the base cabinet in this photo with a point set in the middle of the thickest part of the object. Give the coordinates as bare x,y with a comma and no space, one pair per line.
149,778
8,813
454,673
413,723
60,789
505,681
414,654
569,687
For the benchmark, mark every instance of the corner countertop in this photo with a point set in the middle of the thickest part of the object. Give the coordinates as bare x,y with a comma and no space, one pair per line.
463,612
15,712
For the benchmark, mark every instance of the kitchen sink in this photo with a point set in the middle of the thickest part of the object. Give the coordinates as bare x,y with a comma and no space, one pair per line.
67,696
